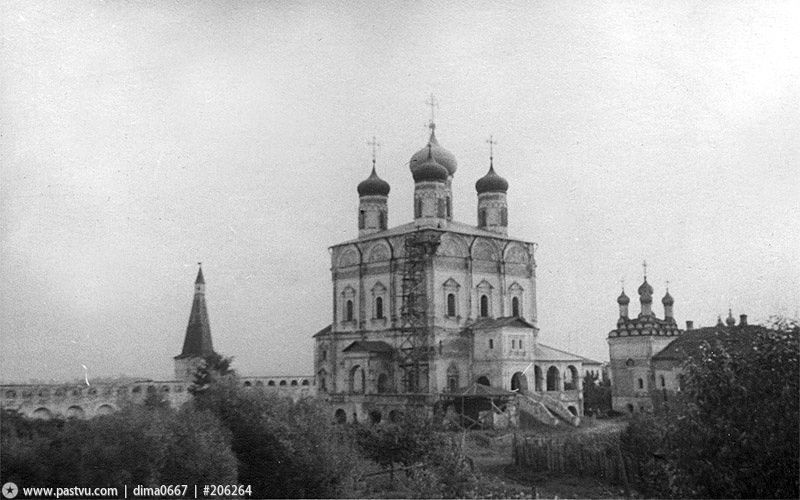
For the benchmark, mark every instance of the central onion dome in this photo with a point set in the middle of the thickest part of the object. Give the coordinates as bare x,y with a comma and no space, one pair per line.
373,185
491,183
442,156
645,292
623,299
429,170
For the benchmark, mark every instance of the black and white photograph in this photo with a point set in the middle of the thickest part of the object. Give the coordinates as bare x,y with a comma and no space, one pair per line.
399,249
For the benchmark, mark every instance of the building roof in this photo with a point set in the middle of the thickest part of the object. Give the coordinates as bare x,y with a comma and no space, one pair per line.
689,343
324,331
197,342
546,353
477,389
446,226
369,346
490,323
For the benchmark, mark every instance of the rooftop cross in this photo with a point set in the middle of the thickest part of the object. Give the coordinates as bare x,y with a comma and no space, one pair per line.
667,286
433,103
644,266
491,143
375,145
622,282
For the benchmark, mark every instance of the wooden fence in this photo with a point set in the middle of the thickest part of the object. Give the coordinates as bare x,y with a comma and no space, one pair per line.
592,455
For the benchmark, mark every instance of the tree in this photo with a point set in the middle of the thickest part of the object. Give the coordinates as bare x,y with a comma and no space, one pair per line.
285,449
596,394
211,368
735,428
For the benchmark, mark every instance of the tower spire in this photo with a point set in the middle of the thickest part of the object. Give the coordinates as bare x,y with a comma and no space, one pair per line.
197,341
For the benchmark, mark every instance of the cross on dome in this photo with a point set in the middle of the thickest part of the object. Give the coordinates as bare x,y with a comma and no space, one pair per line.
491,143
433,103
375,145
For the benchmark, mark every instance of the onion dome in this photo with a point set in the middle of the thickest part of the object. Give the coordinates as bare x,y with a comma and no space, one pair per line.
730,321
645,288
429,170
442,156
373,185
491,183
668,300
623,299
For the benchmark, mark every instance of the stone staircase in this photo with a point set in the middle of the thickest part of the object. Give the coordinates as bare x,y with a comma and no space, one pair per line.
545,409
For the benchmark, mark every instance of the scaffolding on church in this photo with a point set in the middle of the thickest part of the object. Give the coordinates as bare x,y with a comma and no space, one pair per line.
415,347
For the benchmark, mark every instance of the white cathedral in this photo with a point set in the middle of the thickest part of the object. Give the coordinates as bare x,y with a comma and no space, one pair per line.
435,309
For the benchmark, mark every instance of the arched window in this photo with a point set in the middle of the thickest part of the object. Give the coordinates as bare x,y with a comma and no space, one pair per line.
383,383
482,217
361,219
484,306
449,207
382,220
452,378
663,382
379,307
491,343
515,306
553,379
641,384
418,208
349,311
484,380
441,208
451,304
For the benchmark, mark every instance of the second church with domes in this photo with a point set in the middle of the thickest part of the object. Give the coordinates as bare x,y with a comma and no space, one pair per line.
479,315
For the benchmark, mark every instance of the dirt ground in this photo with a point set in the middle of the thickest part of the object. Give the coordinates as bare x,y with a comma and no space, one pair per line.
491,454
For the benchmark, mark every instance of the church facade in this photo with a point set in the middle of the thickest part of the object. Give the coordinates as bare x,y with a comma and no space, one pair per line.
424,310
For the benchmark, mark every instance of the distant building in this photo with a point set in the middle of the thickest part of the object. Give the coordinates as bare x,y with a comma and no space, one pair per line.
632,345
425,310
86,400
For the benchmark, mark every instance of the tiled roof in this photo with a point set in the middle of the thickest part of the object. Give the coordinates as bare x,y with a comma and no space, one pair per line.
369,346
447,226
489,323
324,331
689,343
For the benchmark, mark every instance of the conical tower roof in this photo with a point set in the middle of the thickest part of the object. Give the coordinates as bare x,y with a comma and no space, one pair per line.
197,342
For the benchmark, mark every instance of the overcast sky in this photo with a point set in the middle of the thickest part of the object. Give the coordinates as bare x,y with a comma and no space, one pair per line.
140,138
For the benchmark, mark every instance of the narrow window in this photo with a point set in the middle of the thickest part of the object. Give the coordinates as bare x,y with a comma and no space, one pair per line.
663,382
418,208
515,306
504,216
484,306
641,384
323,354
513,344
482,217
382,220
520,344
441,208
361,219
491,344
349,311
379,308
451,304
449,207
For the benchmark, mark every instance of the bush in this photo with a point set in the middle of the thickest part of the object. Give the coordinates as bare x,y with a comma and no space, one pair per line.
285,449
138,445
